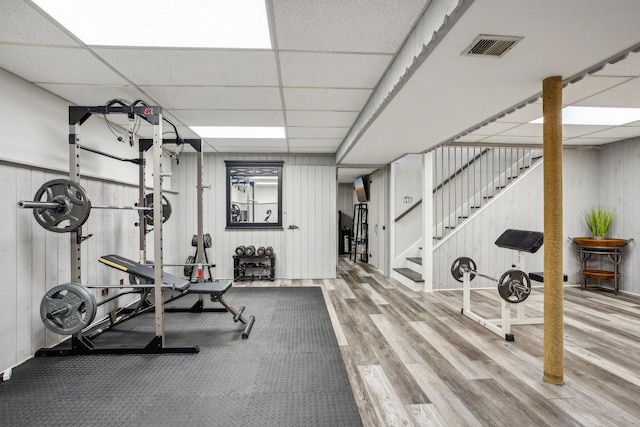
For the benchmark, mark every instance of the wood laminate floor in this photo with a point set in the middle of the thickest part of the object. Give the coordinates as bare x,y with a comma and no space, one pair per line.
413,359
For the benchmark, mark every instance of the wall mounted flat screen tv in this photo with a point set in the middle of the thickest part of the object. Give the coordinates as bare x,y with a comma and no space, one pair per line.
361,185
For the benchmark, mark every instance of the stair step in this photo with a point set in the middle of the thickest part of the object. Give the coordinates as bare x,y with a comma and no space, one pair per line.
512,177
501,187
536,158
450,227
407,272
524,167
463,217
417,260
487,197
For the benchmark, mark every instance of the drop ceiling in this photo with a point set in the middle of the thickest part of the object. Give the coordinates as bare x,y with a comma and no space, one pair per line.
328,58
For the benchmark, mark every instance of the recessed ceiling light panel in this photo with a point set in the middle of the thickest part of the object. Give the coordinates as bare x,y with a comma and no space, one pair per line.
164,23
597,116
256,132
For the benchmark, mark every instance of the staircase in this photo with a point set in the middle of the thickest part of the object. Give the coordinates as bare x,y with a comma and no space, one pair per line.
467,179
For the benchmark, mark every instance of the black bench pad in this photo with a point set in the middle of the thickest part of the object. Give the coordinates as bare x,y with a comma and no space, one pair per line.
216,287
145,272
520,240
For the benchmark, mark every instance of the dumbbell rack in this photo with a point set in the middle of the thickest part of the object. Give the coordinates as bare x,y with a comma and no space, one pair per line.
520,240
254,267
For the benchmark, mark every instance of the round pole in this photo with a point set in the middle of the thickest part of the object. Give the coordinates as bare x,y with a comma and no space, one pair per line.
553,342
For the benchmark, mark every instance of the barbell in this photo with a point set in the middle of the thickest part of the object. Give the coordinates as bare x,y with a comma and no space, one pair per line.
62,206
514,286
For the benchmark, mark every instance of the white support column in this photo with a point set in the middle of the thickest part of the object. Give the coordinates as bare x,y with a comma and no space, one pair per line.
427,220
393,170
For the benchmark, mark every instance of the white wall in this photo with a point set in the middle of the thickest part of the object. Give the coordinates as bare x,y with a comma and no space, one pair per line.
34,149
309,202
407,182
378,220
586,182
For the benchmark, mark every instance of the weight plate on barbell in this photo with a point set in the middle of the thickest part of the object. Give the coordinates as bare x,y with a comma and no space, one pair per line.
514,286
462,265
68,308
188,269
166,209
74,209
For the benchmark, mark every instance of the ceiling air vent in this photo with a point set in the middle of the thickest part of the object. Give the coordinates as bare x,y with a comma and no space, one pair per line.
494,46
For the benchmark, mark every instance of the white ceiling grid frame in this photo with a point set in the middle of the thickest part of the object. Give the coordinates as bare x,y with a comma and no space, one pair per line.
422,39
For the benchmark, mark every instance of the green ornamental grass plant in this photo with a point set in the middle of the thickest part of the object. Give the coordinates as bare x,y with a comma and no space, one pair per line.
598,220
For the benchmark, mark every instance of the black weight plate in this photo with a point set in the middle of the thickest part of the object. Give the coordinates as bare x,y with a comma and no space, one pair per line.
194,241
74,210
460,265
166,209
188,269
207,240
514,286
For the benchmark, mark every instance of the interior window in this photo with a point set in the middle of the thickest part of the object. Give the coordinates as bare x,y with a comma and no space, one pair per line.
254,194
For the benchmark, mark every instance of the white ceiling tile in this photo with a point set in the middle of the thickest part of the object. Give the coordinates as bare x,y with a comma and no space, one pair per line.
216,98
19,19
512,140
619,133
589,86
589,141
194,67
326,99
470,138
493,128
93,95
247,142
317,143
251,150
336,70
56,65
536,130
229,118
623,95
316,132
630,67
321,118
306,150
524,130
347,26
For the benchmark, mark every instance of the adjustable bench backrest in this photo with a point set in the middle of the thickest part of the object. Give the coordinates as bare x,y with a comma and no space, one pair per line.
520,240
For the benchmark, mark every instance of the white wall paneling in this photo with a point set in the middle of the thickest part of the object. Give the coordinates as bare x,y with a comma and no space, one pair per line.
521,207
309,202
378,219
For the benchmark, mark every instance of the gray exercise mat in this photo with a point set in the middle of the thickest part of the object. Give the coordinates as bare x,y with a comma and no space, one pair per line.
288,373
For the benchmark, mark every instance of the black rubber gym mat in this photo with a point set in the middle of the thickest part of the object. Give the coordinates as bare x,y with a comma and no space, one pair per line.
288,373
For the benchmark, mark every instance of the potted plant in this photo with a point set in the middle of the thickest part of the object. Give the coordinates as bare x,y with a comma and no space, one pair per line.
598,220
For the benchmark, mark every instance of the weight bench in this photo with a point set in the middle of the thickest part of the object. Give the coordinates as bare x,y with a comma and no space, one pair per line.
215,289
522,241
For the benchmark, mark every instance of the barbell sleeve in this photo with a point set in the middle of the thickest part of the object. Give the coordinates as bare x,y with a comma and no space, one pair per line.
29,204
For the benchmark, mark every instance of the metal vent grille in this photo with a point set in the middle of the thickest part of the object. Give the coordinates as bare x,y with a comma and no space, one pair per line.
494,46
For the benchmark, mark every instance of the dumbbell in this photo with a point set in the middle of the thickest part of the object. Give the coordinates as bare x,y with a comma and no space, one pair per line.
514,286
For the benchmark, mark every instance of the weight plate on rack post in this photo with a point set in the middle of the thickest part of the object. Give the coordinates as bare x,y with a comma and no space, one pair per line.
514,286
166,209
68,308
74,208
462,265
